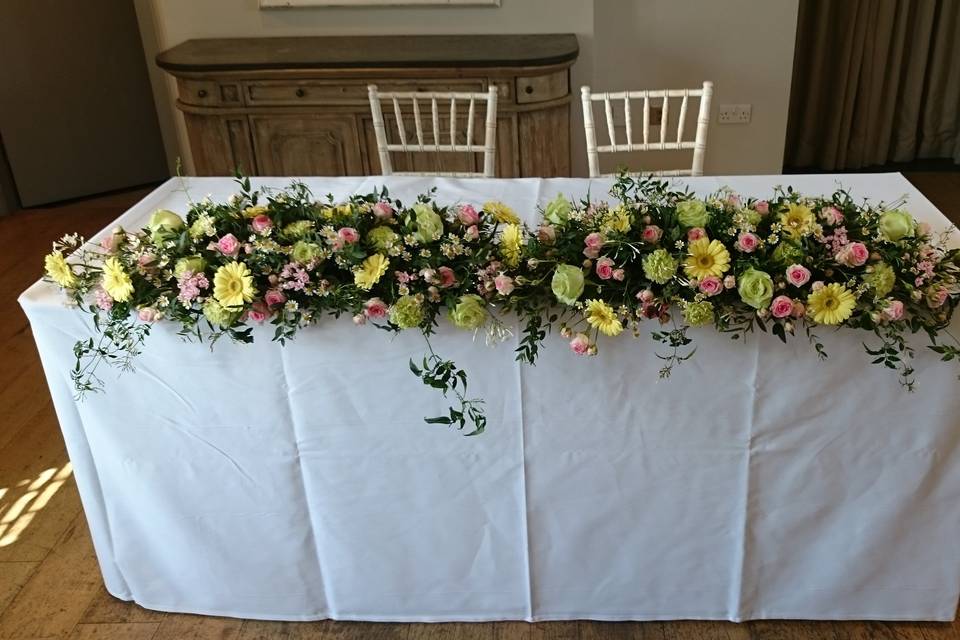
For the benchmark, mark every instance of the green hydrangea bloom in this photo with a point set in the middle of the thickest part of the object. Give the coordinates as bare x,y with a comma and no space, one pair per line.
407,312
382,238
698,313
304,252
881,279
298,229
787,253
660,266
217,314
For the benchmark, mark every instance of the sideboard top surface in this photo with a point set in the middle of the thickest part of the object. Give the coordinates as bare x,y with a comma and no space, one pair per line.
351,52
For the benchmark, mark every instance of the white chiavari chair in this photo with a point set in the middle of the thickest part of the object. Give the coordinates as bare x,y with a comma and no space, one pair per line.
413,99
662,143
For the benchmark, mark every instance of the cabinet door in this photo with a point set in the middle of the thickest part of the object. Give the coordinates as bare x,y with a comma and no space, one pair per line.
220,145
307,145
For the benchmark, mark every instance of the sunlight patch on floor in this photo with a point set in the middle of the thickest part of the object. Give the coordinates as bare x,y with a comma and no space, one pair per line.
16,512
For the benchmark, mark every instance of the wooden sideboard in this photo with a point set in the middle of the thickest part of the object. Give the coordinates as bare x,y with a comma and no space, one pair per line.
299,107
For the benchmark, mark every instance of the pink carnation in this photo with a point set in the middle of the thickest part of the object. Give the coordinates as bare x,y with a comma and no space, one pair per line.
504,284
447,277
696,233
228,245
375,308
349,235
747,242
711,285
467,215
651,234
580,344
605,268
798,275
893,311
262,223
383,210
781,307
762,207
273,297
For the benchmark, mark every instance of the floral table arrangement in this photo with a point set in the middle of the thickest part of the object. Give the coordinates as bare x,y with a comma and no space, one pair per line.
788,264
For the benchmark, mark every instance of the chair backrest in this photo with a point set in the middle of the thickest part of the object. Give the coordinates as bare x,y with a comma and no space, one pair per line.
414,98
698,144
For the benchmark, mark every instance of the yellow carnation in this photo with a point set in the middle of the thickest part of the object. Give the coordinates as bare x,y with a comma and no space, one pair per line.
510,243
601,316
797,220
59,271
831,304
116,281
501,212
706,258
371,271
233,285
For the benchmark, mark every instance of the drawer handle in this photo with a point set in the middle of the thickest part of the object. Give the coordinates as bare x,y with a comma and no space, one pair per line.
202,93
301,93
529,89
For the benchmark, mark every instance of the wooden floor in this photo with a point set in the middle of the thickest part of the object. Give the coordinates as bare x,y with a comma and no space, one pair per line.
50,585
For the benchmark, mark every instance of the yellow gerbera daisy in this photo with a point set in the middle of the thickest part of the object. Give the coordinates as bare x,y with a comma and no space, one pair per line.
59,271
370,271
501,212
706,258
510,242
233,285
831,304
116,281
602,316
797,220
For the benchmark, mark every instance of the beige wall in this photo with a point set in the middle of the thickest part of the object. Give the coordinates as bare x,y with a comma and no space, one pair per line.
744,46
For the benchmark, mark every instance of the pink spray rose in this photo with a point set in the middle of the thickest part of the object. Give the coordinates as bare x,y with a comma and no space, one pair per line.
619,275
580,344
798,309
711,285
228,245
375,308
447,277
854,254
547,234
893,311
383,210
359,319
147,314
472,233
258,311
605,268
729,282
831,215
593,242
781,307
273,297
798,275
467,215
748,242
733,200
762,207
504,284
937,297
262,223
651,234
646,296
696,233
349,235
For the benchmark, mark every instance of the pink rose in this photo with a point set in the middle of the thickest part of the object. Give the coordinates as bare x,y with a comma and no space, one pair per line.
831,215
646,296
467,215
359,319
593,242
375,308
605,268
580,344
729,282
504,284
696,233
747,242
937,297
147,314
547,234
798,275
733,200
146,259
711,285
262,223
228,245
472,233
619,275
816,286
651,234
923,229
258,311
349,235
447,277
893,311
781,307
274,297
762,207
854,254
798,309
383,210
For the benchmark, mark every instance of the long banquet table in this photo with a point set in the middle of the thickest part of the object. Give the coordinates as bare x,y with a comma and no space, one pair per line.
301,482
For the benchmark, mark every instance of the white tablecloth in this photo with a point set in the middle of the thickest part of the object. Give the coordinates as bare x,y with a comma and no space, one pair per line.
301,482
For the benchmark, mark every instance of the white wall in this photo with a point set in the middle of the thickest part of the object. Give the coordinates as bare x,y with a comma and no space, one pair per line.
744,46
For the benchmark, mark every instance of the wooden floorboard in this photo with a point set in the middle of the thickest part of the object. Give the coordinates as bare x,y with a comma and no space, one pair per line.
50,585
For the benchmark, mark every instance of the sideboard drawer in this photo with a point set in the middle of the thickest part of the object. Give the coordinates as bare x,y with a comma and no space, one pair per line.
542,88
312,92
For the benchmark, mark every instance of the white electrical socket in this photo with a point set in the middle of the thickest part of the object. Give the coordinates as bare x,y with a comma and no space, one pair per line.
735,114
